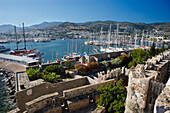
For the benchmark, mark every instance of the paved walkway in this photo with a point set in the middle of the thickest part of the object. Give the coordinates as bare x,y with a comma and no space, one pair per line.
12,67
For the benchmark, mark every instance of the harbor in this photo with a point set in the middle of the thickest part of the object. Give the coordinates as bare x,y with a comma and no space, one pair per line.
84,56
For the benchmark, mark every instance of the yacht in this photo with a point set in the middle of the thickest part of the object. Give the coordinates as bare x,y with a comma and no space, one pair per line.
3,49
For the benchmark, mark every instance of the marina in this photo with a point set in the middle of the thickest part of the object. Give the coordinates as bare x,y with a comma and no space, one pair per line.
50,48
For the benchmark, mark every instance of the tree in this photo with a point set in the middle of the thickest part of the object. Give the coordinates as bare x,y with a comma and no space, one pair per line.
116,61
93,66
138,56
113,97
163,48
51,77
57,69
69,65
124,58
105,63
81,68
32,73
152,51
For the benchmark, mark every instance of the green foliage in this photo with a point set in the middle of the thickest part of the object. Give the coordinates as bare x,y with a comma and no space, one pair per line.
52,73
108,68
69,65
113,97
116,61
81,68
51,77
57,69
152,52
124,58
32,74
105,63
163,48
138,55
93,66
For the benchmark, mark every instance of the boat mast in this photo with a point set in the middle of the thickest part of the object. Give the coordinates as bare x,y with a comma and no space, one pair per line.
68,48
76,46
109,36
135,39
142,39
88,42
24,35
123,39
117,34
52,55
16,36
57,55
101,36
115,41
72,47
150,39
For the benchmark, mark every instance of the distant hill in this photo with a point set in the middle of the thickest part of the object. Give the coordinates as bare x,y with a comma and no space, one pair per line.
10,28
6,28
90,26
105,24
67,26
96,26
43,25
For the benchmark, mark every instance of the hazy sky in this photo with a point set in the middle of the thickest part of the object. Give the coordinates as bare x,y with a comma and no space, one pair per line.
36,11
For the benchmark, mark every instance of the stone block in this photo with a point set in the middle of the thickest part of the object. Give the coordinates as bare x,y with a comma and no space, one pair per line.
56,109
77,103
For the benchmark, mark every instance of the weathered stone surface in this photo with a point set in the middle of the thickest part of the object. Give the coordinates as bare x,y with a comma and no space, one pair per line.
102,76
145,85
56,109
162,103
40,102
77,103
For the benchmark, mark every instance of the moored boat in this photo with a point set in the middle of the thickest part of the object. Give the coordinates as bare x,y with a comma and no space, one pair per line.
3,49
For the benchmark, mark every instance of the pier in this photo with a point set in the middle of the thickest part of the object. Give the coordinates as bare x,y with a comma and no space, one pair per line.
21,60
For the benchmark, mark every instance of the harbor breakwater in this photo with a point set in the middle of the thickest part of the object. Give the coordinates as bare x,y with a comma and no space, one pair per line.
7,90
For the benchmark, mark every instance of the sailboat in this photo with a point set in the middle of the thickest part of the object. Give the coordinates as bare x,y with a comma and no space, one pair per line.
57,59
73,56
21,51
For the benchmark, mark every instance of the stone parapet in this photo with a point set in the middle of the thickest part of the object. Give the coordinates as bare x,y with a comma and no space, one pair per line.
74,92
77,103
146,83
41,102
162,103
102,76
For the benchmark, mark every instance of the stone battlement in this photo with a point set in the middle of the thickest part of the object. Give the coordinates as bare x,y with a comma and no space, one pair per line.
146,81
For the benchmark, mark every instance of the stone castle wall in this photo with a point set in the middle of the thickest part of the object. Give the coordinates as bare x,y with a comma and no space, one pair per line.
46,88
146,83
162,103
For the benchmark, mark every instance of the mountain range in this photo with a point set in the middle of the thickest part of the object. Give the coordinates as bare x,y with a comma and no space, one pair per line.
90,26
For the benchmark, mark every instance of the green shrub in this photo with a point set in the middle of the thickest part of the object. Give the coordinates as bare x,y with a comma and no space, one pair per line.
51,77
152,52
113,97
69,65
116,61
93,66
57,69
82,69
52,73
105,63
125,59
138,56
32,74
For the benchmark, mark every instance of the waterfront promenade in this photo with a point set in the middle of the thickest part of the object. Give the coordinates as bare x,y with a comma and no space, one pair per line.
12,67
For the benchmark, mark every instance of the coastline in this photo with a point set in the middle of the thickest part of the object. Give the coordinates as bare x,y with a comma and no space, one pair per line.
7,90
